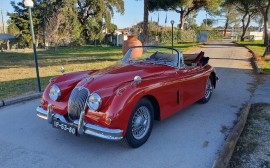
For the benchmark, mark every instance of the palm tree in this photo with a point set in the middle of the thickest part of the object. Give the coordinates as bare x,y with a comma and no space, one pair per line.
145,23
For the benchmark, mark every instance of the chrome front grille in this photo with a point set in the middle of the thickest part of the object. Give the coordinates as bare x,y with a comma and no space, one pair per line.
77,102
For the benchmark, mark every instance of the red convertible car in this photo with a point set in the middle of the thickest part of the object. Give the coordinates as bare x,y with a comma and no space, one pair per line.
122,101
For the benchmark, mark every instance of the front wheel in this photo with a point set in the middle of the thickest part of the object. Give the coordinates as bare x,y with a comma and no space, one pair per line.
208,90
140,123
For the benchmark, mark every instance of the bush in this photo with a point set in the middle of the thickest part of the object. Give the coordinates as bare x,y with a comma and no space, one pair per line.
78,42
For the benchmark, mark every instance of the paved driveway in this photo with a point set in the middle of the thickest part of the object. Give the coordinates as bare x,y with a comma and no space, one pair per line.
189,139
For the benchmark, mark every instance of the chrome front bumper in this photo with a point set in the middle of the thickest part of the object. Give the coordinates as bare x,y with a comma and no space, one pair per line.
82,127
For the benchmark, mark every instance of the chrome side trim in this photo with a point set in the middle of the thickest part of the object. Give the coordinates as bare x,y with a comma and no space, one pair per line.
86,128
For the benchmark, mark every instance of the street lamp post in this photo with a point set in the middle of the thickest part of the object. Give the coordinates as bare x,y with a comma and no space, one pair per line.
30,4
172,22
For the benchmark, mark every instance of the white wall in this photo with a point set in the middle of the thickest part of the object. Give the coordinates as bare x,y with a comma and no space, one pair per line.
257,35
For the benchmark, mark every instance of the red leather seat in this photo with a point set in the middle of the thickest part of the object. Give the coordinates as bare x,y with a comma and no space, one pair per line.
197,60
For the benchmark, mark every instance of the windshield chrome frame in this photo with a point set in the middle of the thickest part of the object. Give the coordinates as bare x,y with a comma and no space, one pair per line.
179,53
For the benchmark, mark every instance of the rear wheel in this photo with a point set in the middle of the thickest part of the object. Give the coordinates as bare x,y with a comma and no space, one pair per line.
208,90
140,123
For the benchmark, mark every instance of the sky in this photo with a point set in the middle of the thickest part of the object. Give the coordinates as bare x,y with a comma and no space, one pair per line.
133,14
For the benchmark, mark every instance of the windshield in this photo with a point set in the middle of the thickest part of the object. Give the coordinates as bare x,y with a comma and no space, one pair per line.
153,55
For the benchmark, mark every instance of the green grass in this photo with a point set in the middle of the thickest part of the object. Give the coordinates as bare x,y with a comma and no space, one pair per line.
266,66
259,48
17,68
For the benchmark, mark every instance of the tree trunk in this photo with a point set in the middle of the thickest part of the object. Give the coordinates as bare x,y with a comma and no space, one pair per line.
226,27
145,23
8,45
265,20
182,20
243,27
44,34
86,36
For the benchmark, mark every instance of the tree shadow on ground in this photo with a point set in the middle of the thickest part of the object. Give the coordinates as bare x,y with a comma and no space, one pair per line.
14,88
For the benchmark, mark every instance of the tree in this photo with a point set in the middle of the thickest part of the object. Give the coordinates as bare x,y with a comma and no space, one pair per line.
64,21
13,29
230,13
20,18
263,7
184,7
112,27
207,23
97,11
152,26
191,21
248,9
145,21
259,20
62,26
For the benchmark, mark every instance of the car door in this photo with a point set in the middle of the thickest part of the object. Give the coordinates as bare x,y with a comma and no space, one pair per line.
191,84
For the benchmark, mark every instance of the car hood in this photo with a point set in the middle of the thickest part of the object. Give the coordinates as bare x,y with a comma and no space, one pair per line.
120,73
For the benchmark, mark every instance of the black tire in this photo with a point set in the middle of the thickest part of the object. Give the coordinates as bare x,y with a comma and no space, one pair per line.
136,137
208,90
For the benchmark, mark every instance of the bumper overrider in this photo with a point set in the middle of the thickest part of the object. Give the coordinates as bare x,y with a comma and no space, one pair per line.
81,126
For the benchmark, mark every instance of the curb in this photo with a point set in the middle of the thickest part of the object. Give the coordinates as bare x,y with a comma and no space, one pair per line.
258,70
226,152
253,60
20,99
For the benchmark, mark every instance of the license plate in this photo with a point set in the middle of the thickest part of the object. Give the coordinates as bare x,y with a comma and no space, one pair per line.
63,126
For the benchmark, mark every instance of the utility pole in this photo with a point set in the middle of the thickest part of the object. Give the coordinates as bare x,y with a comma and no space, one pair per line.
3,21
29,4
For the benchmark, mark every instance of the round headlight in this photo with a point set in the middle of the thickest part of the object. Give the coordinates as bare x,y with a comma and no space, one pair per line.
55,92
94,101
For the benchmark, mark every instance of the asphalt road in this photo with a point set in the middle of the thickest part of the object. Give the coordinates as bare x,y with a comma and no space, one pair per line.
189,139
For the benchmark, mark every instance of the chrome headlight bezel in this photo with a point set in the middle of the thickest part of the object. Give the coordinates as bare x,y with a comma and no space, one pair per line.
55,92
94,101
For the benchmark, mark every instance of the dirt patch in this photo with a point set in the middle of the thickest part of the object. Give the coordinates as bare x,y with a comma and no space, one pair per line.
253,147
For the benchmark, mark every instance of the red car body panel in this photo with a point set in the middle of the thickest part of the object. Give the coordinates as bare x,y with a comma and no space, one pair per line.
172,89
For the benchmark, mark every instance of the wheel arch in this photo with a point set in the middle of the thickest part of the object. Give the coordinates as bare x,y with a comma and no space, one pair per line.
155,104
214,77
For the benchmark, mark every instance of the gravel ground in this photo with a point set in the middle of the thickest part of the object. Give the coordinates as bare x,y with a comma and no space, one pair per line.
253,147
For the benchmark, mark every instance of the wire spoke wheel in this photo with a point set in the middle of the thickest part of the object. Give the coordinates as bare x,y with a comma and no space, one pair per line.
209,88
140,122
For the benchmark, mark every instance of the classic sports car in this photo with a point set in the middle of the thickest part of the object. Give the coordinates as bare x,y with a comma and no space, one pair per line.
121,101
